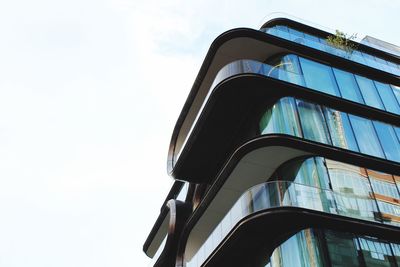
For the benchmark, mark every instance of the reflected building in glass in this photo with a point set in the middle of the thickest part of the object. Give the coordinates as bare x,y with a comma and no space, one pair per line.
286,153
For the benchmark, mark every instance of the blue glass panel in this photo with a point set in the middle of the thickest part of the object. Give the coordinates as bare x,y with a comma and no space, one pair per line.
370,60
313,42
283,32
340,129
312,122
272,31
296,36
290,63
348,86
319,77
369,92
389,141
396,91
365,135
397,130
388,98
383,64
358,57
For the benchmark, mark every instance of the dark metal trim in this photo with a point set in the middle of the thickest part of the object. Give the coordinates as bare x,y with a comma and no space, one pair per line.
235,103
323,34
259,234
314,148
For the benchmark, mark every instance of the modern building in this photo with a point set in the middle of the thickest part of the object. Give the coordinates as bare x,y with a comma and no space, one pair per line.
286,153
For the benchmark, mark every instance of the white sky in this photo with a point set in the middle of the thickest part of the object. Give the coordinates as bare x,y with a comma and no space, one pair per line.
89,94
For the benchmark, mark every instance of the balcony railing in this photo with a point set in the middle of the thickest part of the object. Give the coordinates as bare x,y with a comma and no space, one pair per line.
276,72
289,194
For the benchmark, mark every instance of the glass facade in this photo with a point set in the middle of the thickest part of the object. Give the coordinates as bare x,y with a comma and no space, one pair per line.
327,248
315,76
337,82
319,43
334,128
319,184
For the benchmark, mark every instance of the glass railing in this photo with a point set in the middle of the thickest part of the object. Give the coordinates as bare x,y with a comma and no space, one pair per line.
276,72
321,44
289,194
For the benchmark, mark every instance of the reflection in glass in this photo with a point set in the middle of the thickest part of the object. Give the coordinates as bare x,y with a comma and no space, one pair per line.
341,249
315,184
281,118
376,253
318,76
388,97
388,140
312,122
313,247
340,129
300,250
348,86
369,92
328,126
366,138
320,43
356,194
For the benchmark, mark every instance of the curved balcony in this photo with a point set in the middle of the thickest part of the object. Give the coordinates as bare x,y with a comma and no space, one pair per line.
242,43
161,245
321,44
374,92
288,194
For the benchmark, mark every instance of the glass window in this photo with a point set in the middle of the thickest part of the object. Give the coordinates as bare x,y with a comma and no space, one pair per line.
388,98
375,253
389,141
383,187
365,135
291,70
348,86
369,92
309,171
353,192
370,60
397,130
341,249
281,118
396,252
313,41
340,129
396,91
283,32
301,250
319,77
357,57
296,36
312,122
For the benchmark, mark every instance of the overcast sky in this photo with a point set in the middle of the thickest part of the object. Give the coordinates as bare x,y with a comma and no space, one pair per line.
89,94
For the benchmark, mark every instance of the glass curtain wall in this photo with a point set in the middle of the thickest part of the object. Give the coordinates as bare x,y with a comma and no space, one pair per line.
313,183
321,44
327,248
359,192
328,126
333,81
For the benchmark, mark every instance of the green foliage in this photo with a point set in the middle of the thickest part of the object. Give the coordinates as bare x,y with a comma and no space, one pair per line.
343,41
